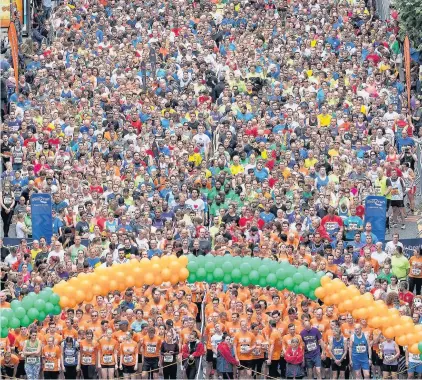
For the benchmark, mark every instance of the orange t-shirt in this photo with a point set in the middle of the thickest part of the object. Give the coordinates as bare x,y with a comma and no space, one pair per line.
69,332
57,338
4,345
276,341
287,340
321,325
51,356
128,353
89,352
107,350
261,346
14,360
19,342
151,347
243,342
415,267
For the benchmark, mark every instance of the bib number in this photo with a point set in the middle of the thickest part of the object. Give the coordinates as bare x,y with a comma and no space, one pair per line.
360,349
256,352
70,360
168,358
338,351
151,349
128,359
86,360
31,360
244,348
311,346
49,366
107,359
389,358
416,272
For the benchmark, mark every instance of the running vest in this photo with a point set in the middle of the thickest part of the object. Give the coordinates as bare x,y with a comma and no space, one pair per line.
70,354
321,182
338,348
360,347
388,352
381,187
32,348
17,155
397,190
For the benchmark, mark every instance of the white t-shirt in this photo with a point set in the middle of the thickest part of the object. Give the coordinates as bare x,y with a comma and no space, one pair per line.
20,230
390,247
215,341
60,255
379,256
196,205
10,260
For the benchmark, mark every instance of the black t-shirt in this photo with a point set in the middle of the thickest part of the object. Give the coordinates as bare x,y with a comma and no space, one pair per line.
5,148
82,227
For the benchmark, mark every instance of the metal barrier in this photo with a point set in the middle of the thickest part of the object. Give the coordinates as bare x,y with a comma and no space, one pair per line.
200,369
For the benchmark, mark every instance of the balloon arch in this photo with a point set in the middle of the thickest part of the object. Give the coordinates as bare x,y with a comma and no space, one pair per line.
226,269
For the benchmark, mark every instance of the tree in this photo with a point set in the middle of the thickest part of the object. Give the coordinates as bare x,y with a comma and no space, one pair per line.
410,21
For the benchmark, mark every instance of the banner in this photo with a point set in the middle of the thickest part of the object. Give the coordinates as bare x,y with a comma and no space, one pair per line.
407,60
411,244
13,41
9,8
42,220
376,214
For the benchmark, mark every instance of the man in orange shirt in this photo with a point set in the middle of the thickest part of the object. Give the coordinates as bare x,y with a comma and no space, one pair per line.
9,363
234,326
319,321
69,330
287,339
150,347
274,350
244,344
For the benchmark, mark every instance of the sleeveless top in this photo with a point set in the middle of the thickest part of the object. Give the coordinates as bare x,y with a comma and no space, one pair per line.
31,347
70,354
360,347
321,182
389,351
397,191
7,199
338,348
17,155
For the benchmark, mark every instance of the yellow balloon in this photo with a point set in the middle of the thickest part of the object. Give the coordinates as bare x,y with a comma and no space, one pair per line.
158,280
183,274
64,302
166,274
155,269
155,259
183,260
325,280
149,278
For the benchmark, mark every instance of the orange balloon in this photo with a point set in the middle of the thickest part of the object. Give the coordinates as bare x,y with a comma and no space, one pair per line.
418,327
388,333
113,285
325,280
166,274
372,311
79,296
155,259
405,319
341,308
144,263
353,291
330,288
88,296
374,322
320,292
327,301
164,261
158,280
385,322
119,276
174,279
69,291
130,281
85,285
149,278
155,269
64,302
97,290
398,330
348,305
134,262
402,340
172,258
367,299
183,260
335,299
183,274
174,266
360,313
103,281
72,303
414,349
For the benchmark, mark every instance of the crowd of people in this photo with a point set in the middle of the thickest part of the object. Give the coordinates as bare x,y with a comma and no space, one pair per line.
248,127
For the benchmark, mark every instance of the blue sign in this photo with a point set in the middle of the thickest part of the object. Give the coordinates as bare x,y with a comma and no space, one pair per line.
376,214
42,220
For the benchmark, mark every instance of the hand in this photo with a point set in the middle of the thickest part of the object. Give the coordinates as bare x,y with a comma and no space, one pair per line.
64,369
135,368
323,356
191,357
121,367
116,366
78,368
269,362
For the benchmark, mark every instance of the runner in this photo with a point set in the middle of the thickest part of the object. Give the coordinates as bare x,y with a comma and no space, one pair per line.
150,348
314,348
337,346
390,352
359,351
129,357
51,359
169,354
107,355
244,344
88,354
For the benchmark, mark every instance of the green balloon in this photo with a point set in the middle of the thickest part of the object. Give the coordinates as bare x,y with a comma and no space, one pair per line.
262,282
48,308
272,279
48,290
32,295
245,268
200,260
320,274
210,266
314,282
290,270
302,269
280,285
289,284
33,314
263,270
4,322
218,261
192,266
44,296
201,274
245,280
28,302
191,257
54,299
209,257
236,260
41,316
420,346
227,278
236,275
39,304
281,273
254,277
192,277
14,323
295,289
209,278
297,278
304,288
25,321
20,312
4,332
218,274
15,304
7,313
420,356
228,267
57,310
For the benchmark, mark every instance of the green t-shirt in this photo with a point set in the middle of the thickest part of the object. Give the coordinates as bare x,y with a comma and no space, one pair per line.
400,266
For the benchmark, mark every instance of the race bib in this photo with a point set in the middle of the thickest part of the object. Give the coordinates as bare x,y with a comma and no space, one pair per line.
244,348
49,366
415,272
86,360
108,359
256,352
360,349
70,360
128,359
31,360
311,346
151,348
394,191
168,358
389,358
338,351
414,358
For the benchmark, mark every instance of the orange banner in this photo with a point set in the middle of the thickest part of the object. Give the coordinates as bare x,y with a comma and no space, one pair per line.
407,68
13,41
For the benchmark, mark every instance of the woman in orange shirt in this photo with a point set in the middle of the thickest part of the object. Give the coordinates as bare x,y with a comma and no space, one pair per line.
51,356
88,351
107,355
9,363
129,357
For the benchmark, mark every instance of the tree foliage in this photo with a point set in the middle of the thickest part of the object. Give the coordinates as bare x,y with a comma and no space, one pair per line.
410,21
